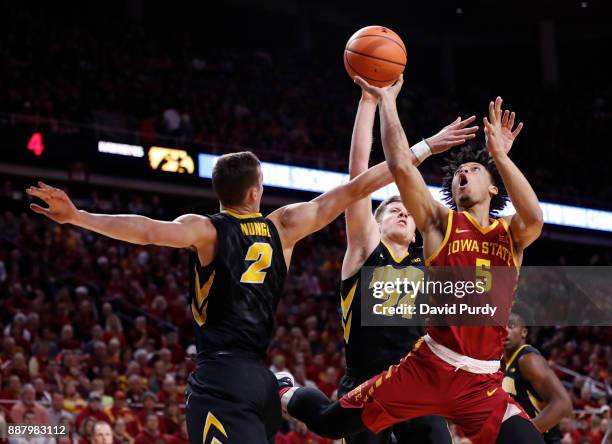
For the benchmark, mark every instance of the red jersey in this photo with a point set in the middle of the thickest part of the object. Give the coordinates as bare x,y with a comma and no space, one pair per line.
467,244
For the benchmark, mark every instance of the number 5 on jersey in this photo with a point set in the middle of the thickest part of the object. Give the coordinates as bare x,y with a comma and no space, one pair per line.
261,253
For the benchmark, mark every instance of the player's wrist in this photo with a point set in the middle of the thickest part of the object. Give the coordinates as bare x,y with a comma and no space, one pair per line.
421,151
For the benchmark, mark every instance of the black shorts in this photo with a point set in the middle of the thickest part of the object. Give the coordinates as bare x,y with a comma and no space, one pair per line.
423,430
233,400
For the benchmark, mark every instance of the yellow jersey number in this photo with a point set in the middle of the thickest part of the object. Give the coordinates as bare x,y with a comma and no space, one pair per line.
261,253
483,272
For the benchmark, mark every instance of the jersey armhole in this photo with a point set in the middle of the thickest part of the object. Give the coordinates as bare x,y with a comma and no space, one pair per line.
277,240
449,229
511,240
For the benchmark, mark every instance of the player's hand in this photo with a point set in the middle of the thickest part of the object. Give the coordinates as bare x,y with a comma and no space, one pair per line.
456,133
388,92
368,97
59,206
499,135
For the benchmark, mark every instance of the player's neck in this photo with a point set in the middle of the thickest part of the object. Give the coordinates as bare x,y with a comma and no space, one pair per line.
480,213
240,209
398,247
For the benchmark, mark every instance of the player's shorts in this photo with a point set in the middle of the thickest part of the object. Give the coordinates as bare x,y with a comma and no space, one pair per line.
422,384
423,430
232,400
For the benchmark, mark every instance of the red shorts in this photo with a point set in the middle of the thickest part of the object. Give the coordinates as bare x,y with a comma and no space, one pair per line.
423,385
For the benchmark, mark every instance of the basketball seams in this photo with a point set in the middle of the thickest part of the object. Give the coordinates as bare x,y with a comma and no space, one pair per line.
374,57
377,35
346,60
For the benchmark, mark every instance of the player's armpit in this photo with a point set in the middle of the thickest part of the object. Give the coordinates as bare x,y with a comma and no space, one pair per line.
536,371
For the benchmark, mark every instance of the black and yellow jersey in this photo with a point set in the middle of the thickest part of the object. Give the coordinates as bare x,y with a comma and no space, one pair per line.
234,298
370,349
522,391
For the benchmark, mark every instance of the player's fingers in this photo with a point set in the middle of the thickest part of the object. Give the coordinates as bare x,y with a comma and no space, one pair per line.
518,129
38,209
486,123
498,105
470,130
492,111
365,85
466,122
44,186
505,118
511,120
37,192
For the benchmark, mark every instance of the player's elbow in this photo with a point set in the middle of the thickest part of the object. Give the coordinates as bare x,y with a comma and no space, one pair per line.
399,168
535,223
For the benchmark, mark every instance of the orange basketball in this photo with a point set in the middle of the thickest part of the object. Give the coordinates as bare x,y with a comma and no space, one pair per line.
376,54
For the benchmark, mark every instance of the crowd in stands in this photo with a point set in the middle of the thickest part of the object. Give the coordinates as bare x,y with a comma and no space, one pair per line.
159,85
93,330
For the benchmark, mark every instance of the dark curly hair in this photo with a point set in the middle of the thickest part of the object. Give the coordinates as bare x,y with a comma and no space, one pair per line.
473,152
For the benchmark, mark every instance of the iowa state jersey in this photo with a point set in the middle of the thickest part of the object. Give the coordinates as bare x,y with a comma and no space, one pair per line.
467,244
522,391
370,349
234,298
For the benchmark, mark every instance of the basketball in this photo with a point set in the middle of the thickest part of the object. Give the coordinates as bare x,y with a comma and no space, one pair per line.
375,53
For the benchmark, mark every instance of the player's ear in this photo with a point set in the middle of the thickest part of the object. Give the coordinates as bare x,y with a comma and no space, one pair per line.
493,190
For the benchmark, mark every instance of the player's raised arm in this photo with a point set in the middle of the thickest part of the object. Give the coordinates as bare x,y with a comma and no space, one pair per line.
297,221
541,377
361,228
186,231
526,224
429,215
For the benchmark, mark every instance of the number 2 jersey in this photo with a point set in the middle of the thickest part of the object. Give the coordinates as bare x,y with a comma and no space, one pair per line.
467,244
234,298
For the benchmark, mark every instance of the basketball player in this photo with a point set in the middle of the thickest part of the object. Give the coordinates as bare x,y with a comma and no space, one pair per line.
532,383
241,261
383,239
454,370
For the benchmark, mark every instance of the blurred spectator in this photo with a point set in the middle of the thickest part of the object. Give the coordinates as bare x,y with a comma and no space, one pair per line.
102,434
93,410
56,410
151,432
28,403
121,410
29,419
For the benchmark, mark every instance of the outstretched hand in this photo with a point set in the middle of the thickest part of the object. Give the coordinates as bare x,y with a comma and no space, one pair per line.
456,133
499,135
59,206
390,91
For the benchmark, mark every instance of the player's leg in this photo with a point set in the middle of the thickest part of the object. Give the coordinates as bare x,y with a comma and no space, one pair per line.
412,388
424,429
518,430
212,419
220,409
321,415
348,383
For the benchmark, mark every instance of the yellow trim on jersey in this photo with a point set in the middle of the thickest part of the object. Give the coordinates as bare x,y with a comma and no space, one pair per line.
507,227
478,226
211,420
345,305
199,303
513,357
241,216
449,228
538,405
397,260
